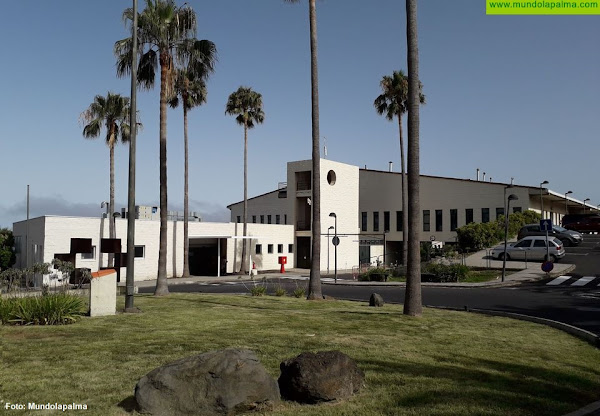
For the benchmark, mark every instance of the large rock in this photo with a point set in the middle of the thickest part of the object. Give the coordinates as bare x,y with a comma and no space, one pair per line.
375,300
221,382
319,377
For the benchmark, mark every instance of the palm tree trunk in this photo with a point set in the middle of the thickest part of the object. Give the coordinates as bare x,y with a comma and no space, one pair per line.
413,300
161,281
111,204
314,286
243,269
186,206
404,196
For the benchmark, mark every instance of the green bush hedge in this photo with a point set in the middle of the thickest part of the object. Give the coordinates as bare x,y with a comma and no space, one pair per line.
377,274
48,309
442,273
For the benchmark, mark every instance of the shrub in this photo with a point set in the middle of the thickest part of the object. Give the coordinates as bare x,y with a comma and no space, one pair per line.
299,292
442,273
50,309
377,274
280,291
258,290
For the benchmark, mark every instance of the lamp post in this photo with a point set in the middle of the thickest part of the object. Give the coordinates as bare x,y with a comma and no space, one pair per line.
511,197
567,208
542,197
336,241
504,199
330,228
584,201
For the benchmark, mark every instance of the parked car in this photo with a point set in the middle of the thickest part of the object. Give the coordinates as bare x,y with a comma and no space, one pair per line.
570,218
568,237
586,224
531,248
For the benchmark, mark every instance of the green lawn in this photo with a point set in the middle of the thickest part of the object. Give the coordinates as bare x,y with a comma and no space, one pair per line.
445,363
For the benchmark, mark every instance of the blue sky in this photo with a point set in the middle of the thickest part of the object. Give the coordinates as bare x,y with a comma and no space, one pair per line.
516,96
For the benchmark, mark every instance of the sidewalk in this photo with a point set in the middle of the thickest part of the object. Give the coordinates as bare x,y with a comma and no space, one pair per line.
520,272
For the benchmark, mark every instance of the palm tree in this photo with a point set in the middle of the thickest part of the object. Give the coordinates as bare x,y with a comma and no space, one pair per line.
192,91
413,302
247,105
392,103
314,285
166,35
112,112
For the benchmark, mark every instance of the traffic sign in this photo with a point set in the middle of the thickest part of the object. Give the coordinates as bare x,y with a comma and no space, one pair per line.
335,240
546,225
547,266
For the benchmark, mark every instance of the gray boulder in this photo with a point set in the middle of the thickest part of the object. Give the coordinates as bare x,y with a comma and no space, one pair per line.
222,382
319,377
376,300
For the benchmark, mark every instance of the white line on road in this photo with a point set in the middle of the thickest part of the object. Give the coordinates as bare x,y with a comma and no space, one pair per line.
558,280
584,281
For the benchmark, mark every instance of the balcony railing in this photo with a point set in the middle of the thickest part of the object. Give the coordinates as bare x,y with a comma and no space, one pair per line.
303,186
303,226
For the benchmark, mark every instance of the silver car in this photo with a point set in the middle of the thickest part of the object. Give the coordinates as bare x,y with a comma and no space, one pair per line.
531,248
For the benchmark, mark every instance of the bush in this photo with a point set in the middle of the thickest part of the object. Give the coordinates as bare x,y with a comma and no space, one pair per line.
280,291
442,273
299,292
258,290
49,309
377,274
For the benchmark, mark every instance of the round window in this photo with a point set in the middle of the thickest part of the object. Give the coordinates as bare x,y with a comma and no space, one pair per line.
331,177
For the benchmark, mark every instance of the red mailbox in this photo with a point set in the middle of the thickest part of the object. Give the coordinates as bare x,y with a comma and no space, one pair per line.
283,262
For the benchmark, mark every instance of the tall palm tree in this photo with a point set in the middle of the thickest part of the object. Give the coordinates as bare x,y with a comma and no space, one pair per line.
314,285
247,105
392,102
166,35
112,112
192,90
413,302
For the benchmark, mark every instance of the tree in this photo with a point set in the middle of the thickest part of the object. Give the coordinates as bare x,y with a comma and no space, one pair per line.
112,112
247,105
413,302
166,36
314,285
392,103
192,90
7,255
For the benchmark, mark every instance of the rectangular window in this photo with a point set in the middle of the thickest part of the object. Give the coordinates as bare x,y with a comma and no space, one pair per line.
499,212
426,220
268,219
363,221
468,215
516,209
280,248
270,248
399,220
139,252
438,220
259,249
277,219
290,248
17,244
262,219
254,219
485,215
239,219
285,218
386,221
453,219
89,256
376,221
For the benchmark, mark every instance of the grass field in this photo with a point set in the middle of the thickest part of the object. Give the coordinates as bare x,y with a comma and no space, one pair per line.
444,363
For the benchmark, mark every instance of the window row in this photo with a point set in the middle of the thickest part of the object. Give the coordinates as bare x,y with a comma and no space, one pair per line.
438,217
270,248
139,252
269,218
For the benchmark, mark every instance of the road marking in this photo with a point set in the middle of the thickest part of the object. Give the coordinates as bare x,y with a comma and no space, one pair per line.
558,280
583,281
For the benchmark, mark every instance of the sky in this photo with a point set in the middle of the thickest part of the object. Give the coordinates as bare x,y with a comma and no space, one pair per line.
515,96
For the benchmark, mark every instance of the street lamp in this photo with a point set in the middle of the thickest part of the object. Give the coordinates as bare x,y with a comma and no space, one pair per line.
504,199
330,228
584,201
566,208
336,241
542,197
511,197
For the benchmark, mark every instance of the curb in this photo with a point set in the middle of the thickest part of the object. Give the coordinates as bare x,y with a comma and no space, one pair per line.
589,410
